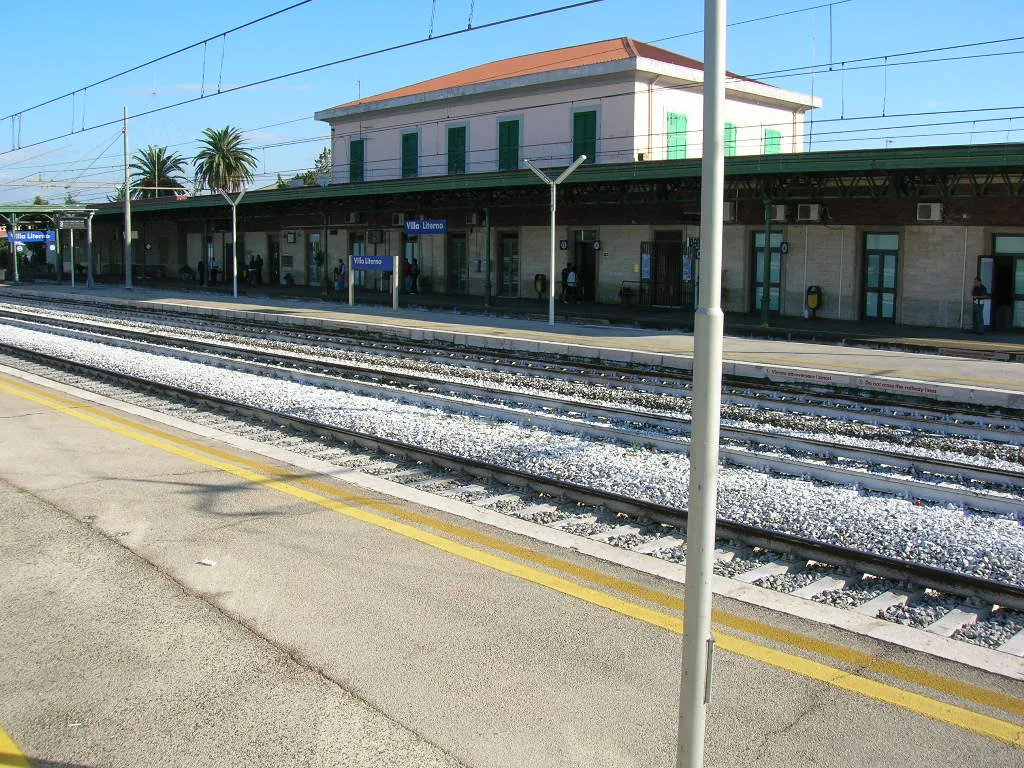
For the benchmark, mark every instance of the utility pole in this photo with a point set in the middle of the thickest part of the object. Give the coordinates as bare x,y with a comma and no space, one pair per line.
766,265
234,238
554,202
127,211
698,642
89,283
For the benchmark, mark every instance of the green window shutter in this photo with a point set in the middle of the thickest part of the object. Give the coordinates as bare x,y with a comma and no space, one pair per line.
457,149
730,140
356,160
410,155
584,135
772,142
676,136
508,145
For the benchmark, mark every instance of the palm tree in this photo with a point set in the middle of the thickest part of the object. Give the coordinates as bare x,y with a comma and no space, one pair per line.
156,172
223,163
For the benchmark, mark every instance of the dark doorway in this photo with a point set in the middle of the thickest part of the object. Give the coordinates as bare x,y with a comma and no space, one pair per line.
667,270
585,262
456,267
508,265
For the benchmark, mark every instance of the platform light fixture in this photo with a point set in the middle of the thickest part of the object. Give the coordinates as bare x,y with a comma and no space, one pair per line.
554,197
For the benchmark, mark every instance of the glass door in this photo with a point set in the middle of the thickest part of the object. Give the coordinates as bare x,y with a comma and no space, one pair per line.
881,261
508,265
774,272
313,254
457,273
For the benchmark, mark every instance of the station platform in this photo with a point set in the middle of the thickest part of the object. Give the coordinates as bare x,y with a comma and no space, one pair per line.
175,597
945,366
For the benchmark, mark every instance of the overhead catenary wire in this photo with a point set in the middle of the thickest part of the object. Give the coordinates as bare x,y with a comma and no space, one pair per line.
316,67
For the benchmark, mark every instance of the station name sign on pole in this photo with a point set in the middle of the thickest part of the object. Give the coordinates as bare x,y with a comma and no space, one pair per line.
374,263
426,227
71,223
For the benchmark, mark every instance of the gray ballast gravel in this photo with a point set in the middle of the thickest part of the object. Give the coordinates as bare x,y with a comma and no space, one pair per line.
937,535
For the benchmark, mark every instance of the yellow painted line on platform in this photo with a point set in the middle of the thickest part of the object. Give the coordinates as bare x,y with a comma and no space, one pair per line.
11,755
1007,732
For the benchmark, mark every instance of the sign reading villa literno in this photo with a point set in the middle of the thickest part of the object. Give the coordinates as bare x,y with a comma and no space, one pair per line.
426,227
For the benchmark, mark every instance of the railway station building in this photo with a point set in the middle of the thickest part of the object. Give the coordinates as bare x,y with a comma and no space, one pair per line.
893,236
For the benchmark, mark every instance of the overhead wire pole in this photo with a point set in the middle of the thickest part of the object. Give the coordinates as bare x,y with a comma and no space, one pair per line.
698,642
127,211
554,203
234,238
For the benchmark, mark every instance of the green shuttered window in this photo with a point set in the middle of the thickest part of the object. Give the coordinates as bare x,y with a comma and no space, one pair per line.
410,155
676,136
730,140
772,142
457,149
508,145
584,135
357,160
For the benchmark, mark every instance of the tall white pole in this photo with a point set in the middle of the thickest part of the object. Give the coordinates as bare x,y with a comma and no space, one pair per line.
695,690
89,282
234,238
553,183
551,280
127,211
72,258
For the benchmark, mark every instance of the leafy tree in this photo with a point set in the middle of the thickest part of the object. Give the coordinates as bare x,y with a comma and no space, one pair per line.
308,178
69,198
40,201
323,162
224,162
117,196
156,172
281,183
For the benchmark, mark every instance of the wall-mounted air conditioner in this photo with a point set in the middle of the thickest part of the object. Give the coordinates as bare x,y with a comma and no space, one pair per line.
353,217
929,211
397,219
778,213
472,219
808,212
729,211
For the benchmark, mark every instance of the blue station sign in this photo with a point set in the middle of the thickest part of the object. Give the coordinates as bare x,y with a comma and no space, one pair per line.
31,236
427,227
374,263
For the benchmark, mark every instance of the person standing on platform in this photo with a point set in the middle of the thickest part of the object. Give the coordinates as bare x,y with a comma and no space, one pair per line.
259,269
214,269
570,283
565,281
978,295
415,274
201,271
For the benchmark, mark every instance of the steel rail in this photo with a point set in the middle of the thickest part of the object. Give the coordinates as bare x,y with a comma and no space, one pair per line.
672,382
923,576
323,373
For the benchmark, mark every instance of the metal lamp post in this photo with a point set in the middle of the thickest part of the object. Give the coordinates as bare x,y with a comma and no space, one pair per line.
698,642
554,196
234,238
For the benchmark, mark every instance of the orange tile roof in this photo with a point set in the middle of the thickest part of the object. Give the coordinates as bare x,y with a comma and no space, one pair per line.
617,49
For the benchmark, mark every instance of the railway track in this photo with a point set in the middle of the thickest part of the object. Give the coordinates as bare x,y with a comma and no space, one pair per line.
866,406
808,568
902,474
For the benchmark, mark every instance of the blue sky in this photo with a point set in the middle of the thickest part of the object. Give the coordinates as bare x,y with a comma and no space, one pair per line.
85,42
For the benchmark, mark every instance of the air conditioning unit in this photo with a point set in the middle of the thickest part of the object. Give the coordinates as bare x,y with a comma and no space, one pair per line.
397,219
472,219
929,211
353,217
808,212
778,213
729,211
